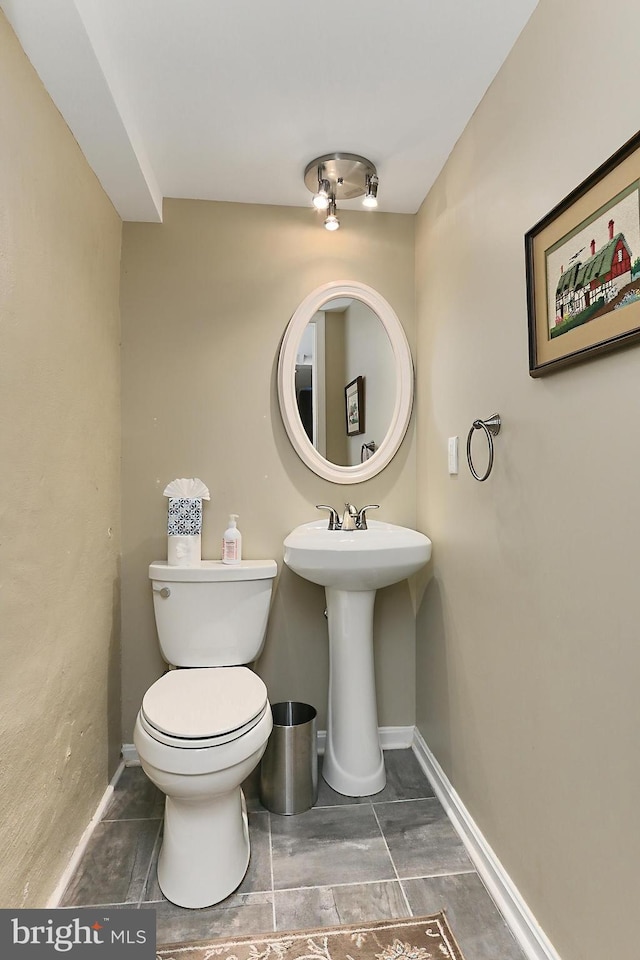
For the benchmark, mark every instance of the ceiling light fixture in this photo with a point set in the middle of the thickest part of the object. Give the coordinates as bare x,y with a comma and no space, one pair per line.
341,176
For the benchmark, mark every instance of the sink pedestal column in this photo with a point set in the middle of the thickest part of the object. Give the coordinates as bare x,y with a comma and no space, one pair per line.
353,763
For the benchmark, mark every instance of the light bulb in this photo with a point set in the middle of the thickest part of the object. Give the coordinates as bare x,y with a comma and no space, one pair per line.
332,222
370,198
322,198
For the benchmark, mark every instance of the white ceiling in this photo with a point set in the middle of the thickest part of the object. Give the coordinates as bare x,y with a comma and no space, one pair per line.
230,99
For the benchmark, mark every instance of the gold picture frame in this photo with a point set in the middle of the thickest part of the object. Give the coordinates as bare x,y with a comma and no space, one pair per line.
583,268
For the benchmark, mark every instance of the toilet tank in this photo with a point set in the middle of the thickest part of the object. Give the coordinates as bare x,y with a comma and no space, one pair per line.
212,614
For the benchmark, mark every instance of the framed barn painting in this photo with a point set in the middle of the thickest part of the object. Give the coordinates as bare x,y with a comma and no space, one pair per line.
583,268
354,406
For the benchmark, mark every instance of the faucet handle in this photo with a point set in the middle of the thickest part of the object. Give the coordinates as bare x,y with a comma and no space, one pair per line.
361,518
334,519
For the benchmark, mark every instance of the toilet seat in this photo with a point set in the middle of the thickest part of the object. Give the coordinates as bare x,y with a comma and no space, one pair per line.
203,707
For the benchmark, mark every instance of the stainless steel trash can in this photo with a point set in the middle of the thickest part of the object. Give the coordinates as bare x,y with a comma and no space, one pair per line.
289,770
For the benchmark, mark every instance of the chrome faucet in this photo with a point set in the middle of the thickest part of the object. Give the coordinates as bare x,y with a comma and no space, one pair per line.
352,518
349,517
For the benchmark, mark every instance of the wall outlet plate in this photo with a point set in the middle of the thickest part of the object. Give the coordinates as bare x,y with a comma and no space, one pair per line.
453,455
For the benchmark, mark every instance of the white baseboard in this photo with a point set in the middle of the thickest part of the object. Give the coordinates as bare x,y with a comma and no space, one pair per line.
81,846
130,755
515,911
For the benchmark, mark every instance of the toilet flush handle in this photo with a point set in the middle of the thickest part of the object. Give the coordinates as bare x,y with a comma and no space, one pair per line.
163,591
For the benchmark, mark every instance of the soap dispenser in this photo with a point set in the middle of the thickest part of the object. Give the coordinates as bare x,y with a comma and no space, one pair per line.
232,542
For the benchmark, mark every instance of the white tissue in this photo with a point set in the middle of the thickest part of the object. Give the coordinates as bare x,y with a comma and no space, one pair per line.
183,551
188,489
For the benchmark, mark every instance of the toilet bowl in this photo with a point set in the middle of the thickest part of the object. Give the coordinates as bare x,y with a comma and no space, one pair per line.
202,730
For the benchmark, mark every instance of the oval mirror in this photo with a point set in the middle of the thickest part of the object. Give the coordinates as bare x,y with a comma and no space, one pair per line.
345,382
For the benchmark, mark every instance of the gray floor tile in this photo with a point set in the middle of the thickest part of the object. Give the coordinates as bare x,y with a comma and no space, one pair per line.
406,779
421,840
115,865
327,846
104,907
249,913
371,901
135,797
302,909
328,797
258,876
477,924
332,906
331,865
152,891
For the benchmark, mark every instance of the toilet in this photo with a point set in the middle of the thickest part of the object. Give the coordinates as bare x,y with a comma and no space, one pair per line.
203,728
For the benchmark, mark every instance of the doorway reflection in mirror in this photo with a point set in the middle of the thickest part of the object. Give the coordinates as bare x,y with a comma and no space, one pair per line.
344,340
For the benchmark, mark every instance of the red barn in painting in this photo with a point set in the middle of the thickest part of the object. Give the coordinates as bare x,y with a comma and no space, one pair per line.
601,277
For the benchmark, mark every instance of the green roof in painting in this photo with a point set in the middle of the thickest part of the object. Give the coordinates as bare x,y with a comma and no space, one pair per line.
599,265
567,280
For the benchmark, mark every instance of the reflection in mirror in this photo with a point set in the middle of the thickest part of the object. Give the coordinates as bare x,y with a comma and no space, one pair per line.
343,335
344,340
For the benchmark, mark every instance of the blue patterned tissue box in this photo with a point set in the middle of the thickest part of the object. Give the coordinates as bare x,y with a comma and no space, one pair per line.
184,517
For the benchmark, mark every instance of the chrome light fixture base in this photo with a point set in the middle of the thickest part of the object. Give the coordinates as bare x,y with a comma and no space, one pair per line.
348,174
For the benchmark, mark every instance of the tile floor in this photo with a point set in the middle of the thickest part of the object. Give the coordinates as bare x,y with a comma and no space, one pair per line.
346,860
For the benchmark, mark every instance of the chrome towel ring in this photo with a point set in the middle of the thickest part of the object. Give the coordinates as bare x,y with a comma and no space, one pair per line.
491,428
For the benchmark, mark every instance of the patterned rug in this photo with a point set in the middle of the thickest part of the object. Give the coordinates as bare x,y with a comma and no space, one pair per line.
418,938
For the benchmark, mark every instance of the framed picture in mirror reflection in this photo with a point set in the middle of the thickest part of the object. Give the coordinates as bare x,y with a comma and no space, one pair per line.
354,406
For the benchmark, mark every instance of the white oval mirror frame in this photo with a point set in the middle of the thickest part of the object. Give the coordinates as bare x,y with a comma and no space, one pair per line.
403,368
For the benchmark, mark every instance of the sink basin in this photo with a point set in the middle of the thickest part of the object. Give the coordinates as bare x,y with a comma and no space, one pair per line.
351,565
355,559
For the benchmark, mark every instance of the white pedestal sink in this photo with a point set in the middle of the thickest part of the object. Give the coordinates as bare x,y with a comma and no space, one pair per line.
351,565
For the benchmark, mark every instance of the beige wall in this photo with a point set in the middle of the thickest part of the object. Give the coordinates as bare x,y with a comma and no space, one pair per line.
370,355
335,382
206,297
528,652
60,522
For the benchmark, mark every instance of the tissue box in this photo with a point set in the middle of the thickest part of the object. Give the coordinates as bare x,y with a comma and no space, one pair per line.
184,518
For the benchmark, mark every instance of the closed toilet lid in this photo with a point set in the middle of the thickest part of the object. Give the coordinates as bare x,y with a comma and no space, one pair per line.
205,703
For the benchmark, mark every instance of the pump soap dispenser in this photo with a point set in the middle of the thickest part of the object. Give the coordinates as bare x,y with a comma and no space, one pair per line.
232,542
